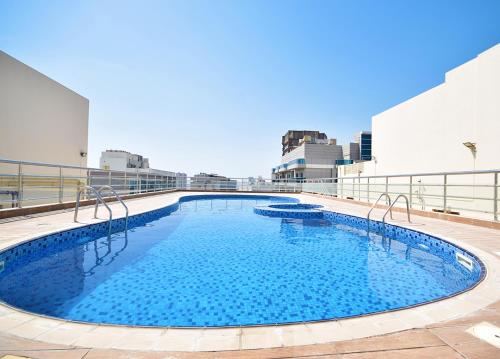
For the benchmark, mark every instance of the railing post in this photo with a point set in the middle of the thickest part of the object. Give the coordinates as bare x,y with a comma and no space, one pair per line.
445,182
19,185
495,198
88,181
137,185
60,185
368,189
387,184
359,188
109,177
125,187
411,191
147,182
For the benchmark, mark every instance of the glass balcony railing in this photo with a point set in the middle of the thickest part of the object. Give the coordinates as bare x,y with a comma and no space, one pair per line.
284,166
298,161
343,162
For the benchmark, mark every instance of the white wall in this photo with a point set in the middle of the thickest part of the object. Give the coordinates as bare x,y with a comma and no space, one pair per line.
427,132
40,120
114,161
322,154
296,153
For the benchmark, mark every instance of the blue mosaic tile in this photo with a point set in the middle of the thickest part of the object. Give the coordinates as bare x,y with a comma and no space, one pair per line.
211,261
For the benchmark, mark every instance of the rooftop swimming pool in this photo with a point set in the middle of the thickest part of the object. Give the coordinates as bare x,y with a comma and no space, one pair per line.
211,261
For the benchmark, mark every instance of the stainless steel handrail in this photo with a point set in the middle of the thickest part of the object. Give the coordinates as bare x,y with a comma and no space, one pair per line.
31,186
416,174
376,202
98,198
43,164
112,190
393,203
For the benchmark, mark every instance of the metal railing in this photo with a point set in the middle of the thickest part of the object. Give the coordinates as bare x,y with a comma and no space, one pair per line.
473,194
469,193
199,183
25,183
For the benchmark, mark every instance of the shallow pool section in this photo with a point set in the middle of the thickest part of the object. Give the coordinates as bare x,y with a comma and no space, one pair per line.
211,261
290,210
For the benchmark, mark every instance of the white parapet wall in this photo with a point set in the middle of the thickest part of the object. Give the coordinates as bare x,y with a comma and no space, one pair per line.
427,134
40,119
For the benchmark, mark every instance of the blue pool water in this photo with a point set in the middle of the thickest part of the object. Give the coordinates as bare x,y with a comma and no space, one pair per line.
217,263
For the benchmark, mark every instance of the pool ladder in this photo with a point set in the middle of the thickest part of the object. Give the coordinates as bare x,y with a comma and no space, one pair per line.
391,204
119,199
99,199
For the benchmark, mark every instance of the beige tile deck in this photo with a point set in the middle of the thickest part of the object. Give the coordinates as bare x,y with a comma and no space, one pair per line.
442,324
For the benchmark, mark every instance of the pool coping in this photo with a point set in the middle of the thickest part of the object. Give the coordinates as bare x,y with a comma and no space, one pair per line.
62,331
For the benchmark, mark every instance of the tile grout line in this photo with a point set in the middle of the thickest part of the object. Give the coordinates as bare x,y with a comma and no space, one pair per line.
360,352
88,351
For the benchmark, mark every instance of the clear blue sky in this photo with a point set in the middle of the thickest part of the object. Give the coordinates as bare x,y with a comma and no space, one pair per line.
212,85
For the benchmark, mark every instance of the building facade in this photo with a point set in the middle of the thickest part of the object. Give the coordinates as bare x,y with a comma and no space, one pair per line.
212,181
350,152
291,139
41,120
316,156
138,166
364,141
312,158
451,127
119,160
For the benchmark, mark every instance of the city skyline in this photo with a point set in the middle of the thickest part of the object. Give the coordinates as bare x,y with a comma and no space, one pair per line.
212,87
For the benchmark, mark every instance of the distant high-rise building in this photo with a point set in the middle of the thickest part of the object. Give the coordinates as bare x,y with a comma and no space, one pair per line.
351,152
292,138
310,154
307,154
364,138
